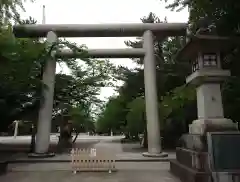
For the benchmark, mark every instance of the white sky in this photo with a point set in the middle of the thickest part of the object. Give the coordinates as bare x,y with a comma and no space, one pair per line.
101,11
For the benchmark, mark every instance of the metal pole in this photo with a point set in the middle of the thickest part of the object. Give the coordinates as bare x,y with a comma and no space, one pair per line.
45,112
44,15
153,126
16,129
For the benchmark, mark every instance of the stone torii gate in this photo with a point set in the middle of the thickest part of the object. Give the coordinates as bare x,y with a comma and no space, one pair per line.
148,31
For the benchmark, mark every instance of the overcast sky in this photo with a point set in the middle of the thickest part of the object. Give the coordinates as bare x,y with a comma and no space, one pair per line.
101,11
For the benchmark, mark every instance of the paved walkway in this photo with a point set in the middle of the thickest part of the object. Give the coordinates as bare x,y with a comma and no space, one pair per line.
124,152
121,166
66,176
61,172
55,171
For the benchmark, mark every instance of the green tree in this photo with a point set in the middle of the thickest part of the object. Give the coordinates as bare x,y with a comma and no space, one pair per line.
81,119
219,17
22,65
9,10
171,75
19,75
136,117
112,118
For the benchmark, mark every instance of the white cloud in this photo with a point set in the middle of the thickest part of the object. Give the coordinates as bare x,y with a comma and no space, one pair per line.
101,11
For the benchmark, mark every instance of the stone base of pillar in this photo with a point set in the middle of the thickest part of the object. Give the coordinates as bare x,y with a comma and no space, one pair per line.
202,126
155,155
41,155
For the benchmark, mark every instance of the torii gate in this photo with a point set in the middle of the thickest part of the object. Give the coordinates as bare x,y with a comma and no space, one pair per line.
147,30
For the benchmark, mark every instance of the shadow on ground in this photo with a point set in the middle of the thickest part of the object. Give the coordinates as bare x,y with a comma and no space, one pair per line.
133,148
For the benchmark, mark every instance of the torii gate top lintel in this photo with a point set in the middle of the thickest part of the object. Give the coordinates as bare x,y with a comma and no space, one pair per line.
100,30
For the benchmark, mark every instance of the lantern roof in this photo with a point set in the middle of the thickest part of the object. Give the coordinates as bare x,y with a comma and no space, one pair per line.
207,44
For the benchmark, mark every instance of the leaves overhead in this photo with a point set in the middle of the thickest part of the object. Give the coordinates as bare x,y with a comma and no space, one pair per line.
22,65
177,102
170,74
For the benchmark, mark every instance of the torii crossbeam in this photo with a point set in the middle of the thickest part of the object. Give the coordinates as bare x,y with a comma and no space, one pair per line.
101,30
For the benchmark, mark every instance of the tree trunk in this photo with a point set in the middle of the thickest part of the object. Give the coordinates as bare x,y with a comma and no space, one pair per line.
65,139
74,140
33,136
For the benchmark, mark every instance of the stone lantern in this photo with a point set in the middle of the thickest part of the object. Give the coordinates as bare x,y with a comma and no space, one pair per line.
204,52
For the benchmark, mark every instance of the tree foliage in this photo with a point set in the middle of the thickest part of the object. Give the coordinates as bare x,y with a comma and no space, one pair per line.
136,117
171,74
112,117
218,16
177,101
9,10
22,65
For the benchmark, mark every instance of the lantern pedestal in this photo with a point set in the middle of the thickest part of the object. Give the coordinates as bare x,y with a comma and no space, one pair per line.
202,126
